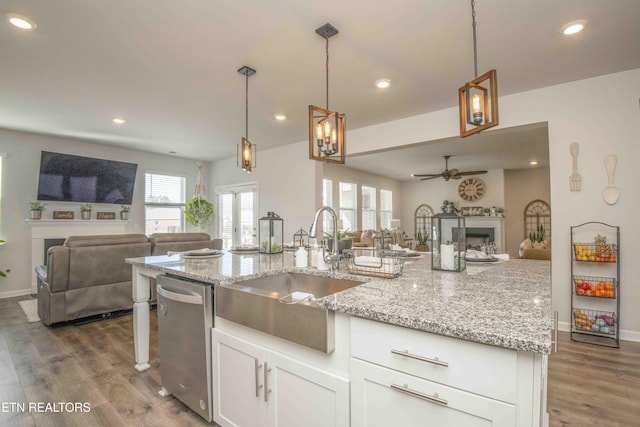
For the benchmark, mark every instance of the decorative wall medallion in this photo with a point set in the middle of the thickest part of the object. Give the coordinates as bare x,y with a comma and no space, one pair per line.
471,189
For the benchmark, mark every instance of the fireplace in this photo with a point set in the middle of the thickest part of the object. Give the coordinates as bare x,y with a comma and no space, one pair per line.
478,236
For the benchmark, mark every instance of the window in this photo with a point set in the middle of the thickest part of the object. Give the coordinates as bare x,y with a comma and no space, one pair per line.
368,208
386,208
238,215
164,200
348,204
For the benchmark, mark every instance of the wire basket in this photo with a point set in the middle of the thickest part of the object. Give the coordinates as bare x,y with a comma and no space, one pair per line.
375,262
589,252
597,322
592,286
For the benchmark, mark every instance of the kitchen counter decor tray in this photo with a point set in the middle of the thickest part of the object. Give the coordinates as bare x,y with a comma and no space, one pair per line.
387,264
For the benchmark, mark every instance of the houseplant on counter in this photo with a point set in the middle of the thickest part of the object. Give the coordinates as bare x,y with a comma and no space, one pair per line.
85,211
36,209
344,241
124,212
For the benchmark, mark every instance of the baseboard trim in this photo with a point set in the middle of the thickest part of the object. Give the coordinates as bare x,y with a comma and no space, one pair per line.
625,334
18,293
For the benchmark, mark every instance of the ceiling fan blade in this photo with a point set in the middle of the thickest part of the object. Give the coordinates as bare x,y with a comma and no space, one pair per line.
431,177
466,173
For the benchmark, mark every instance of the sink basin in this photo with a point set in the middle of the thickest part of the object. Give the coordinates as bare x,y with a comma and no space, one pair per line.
283,305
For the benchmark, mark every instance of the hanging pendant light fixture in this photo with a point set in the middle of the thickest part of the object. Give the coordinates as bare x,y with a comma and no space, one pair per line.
479,97
246,156
326,127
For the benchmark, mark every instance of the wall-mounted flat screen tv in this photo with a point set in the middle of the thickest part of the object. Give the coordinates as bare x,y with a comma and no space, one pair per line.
68,178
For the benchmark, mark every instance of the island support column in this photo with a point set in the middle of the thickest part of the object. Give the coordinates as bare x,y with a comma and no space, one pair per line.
141,294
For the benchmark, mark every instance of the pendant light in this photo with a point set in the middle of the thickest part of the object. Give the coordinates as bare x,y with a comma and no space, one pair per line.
479,97
326,127
246,156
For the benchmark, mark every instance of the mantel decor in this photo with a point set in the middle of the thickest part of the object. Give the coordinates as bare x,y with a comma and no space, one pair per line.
246,156
479,97
105,215
326,127
63,214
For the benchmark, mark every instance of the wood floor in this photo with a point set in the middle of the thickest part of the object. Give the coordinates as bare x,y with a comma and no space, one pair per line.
588,385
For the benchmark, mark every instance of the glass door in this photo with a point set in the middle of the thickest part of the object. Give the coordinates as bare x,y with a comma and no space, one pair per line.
238,216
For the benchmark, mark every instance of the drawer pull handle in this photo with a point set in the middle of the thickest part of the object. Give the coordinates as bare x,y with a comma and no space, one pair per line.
405,389
406,353
258,385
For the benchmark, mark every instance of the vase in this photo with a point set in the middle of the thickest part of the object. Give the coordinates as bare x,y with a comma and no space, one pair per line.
124,216
422,248
36,214
448,209
342,244
85,214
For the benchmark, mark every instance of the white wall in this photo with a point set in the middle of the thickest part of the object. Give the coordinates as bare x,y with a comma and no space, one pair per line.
522,186
288,183
20,185
602,115
339,173
434,191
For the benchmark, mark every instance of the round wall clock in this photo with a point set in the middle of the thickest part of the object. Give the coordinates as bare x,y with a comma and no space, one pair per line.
471,189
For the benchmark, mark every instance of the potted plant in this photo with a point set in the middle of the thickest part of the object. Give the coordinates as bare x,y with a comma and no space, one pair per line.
36,209
447,206
124,212
422,239
344,241
486,211
537,238
500,211
85,211
198,211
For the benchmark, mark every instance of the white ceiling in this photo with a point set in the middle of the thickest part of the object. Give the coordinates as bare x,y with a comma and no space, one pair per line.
170,66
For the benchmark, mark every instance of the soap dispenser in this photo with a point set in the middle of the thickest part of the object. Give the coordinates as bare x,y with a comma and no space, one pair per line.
301,257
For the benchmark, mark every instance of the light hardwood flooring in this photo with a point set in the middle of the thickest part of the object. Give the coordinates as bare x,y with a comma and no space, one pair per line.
588,385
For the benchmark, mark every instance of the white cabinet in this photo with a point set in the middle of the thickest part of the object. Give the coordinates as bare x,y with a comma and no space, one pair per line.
402,376
254,386
384,397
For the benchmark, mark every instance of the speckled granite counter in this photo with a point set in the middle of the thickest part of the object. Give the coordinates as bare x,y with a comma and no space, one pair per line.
506,304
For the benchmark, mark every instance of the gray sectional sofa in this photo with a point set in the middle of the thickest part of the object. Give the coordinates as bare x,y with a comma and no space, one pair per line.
88,275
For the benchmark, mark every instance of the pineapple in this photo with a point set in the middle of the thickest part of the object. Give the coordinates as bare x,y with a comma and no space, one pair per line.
602,248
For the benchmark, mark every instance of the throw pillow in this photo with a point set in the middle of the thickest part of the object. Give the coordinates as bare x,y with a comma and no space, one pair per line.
367,238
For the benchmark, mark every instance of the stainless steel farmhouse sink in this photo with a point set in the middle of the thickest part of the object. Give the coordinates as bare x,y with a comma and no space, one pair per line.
284,305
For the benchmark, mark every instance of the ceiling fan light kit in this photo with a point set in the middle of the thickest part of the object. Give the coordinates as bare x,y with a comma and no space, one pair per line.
246,153
478,98
326,128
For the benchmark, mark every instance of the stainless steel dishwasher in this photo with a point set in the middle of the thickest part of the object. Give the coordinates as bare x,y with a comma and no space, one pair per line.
185,319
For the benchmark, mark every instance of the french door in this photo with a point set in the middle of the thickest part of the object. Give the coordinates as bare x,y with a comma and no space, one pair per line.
238,215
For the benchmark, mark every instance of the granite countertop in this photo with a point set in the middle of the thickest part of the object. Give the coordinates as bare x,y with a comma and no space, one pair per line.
506,304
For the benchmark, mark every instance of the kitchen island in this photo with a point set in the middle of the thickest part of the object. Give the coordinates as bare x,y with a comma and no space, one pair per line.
491,323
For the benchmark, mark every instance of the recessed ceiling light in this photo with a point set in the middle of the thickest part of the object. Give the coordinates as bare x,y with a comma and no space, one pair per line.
21,22
383,83
119,121
533,162
573,27
280,117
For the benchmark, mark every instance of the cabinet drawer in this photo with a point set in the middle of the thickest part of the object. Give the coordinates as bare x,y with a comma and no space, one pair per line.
383,397
478,368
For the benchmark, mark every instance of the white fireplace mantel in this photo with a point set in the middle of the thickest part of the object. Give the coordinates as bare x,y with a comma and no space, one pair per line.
42,229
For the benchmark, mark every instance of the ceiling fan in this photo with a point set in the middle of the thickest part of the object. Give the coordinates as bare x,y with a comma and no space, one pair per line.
447,174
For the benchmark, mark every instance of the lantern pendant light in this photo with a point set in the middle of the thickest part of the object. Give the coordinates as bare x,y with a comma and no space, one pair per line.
246,155
479,97
326,127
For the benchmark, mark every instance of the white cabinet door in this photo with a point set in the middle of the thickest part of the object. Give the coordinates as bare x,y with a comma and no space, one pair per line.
238,387
376,403
302,395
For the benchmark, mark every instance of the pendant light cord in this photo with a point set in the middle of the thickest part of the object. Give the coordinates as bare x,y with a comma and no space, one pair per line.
475,50
246,107
327,69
